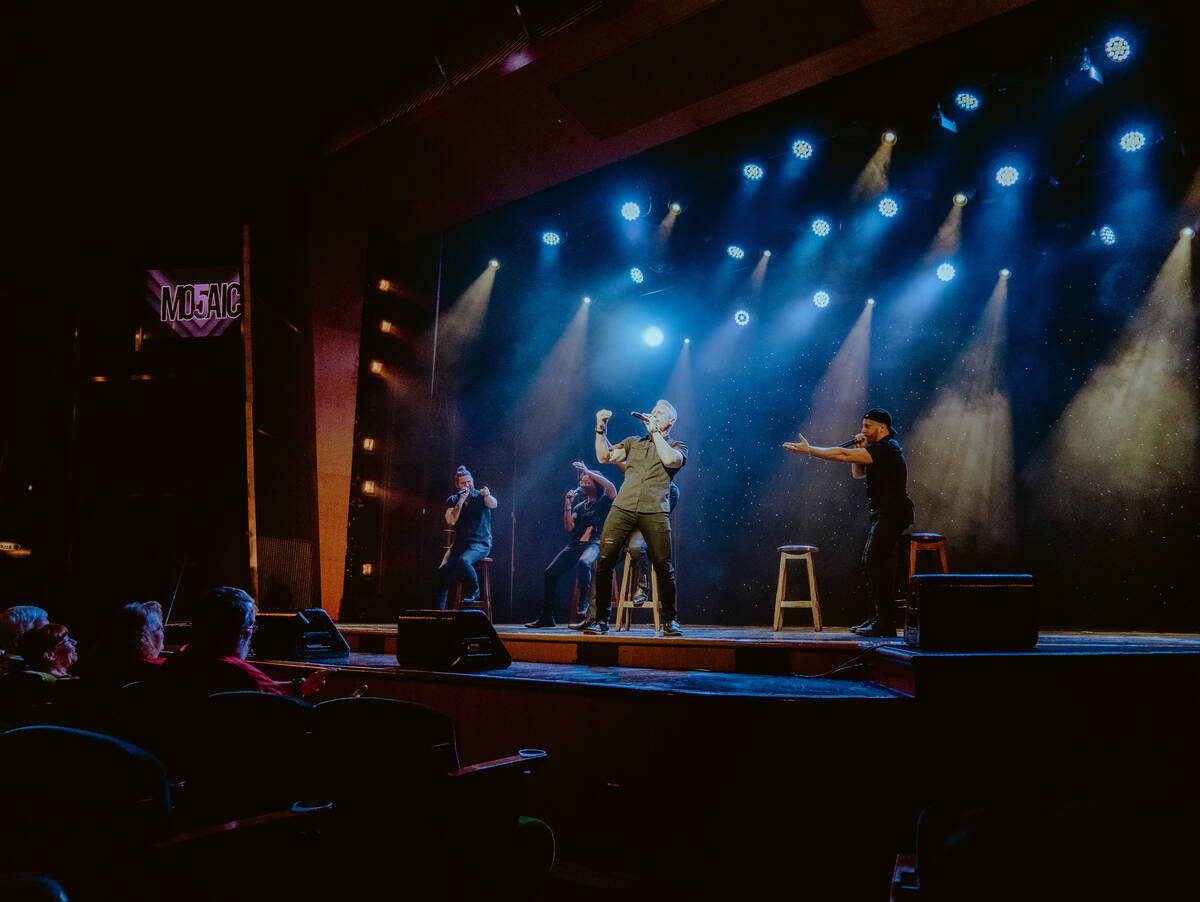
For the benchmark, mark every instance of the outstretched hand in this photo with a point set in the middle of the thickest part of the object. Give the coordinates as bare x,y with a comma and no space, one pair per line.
797,447
580,466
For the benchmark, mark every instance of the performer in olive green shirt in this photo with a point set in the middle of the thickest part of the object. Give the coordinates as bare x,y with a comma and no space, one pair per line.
651,462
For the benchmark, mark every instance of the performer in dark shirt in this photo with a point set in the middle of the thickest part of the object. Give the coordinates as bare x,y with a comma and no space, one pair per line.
876,456
643,503
584,512
470,512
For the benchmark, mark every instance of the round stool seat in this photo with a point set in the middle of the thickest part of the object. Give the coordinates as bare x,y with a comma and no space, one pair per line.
927,537
797,549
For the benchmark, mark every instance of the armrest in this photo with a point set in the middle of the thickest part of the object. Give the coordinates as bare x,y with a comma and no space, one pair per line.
523,762
301,816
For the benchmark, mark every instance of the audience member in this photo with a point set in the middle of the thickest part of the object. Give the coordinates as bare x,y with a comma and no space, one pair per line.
14,623
215,658
130,648
49,651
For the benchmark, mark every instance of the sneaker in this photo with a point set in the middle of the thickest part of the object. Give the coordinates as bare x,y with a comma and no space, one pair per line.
586,624
471,599
672,629
540,623
596,627
865,625
639,599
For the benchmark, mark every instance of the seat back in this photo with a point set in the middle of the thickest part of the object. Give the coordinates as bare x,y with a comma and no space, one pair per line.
73,799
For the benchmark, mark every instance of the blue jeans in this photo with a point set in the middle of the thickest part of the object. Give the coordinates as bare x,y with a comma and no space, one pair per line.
460,567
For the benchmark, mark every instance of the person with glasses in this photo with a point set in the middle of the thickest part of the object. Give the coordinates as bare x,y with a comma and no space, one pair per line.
215,659
49,652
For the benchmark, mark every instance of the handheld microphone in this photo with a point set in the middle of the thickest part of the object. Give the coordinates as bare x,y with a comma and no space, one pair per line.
849,444
644,417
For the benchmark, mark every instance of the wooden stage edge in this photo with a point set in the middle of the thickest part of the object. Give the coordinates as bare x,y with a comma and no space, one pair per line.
795,652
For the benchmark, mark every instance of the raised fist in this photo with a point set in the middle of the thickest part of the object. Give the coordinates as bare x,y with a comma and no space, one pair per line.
602,417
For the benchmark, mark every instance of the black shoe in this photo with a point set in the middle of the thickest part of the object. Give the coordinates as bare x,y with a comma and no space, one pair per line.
671,629
639,599
471,599
540,623
589,625
879,631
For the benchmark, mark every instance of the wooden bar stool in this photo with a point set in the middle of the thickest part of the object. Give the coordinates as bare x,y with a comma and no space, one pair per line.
626,607
484,570
797,553
926,541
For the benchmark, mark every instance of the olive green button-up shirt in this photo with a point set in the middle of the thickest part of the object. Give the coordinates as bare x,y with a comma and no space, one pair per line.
647,483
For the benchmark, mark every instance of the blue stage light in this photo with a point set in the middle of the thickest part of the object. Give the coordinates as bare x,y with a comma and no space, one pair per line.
820,227
630,211
637,275
870,302
1006,176
734,251
1117,48
494,263
1107,235
945,272
741,317
653,336
550,239
1133,141
966,101
753,171
821,298
888,207
802,149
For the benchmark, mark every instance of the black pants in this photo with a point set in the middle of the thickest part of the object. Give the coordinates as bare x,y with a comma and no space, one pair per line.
882,538
583,559
459,567
656,528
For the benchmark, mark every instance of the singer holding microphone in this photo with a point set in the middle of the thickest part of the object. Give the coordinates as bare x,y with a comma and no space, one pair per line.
584,512
874,454
469,511
651,462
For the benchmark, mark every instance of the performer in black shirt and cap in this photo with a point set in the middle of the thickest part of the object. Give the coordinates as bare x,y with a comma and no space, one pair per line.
875,456
469,511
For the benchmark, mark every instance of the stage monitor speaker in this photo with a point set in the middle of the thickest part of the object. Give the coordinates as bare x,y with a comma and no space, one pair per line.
449,641
971,612
307,635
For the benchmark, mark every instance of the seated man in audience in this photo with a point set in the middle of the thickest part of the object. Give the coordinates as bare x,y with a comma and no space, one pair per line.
215,658
49,652
130,648
14,623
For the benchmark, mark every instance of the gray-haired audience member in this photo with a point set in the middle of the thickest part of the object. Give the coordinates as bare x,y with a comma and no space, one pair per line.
14,623
215,659
131,645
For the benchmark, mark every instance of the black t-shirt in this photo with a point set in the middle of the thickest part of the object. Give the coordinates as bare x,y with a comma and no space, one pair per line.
887,477
474,526
589,513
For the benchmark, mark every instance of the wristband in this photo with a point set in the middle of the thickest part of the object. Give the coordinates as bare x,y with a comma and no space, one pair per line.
600,431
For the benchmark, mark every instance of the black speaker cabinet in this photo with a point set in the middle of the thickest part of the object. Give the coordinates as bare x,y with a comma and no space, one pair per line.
971,612
300,636
449,641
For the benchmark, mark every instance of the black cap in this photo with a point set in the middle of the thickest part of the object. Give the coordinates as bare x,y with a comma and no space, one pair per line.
879,415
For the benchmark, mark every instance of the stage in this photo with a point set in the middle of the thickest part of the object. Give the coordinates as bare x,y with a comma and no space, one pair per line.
729,748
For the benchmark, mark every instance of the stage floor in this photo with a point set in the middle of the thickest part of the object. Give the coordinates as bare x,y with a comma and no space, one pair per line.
790,663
